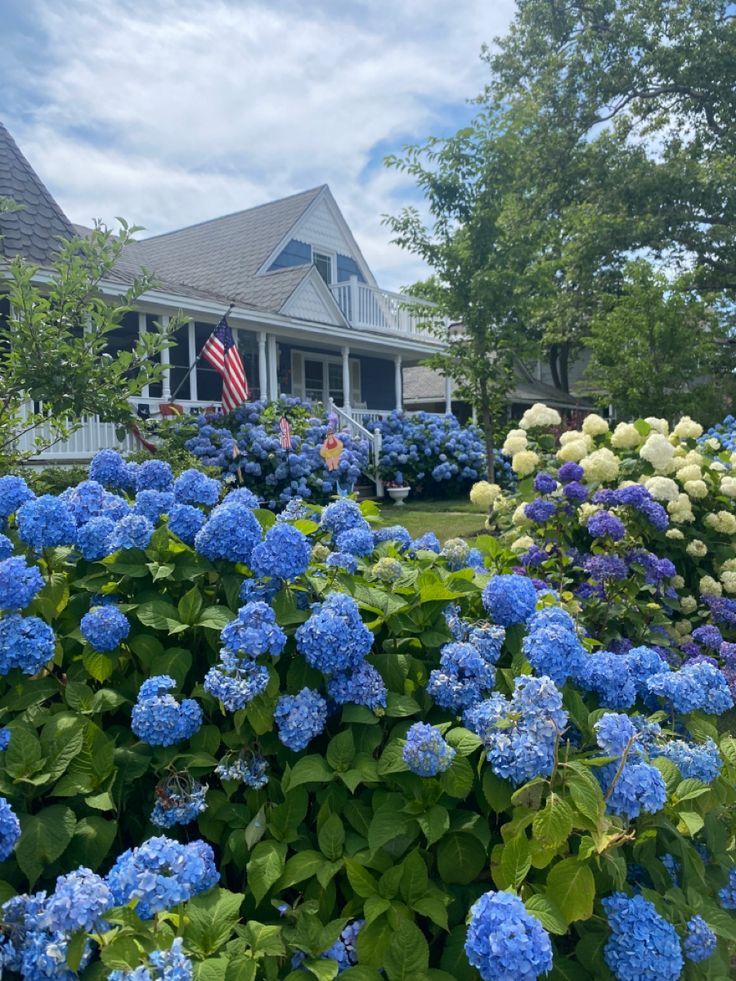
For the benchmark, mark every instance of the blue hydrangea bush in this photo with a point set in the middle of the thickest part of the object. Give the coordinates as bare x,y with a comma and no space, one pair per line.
249,747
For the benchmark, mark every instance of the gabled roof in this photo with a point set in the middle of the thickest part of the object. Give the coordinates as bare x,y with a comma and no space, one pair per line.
32,232
223,256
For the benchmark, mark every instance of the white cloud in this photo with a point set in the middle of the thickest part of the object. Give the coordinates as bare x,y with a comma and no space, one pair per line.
172,111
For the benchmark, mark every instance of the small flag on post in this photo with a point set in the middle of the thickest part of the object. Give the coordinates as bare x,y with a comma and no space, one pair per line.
222,353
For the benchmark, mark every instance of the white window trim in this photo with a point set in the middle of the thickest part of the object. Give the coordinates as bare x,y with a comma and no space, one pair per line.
332,256
356,394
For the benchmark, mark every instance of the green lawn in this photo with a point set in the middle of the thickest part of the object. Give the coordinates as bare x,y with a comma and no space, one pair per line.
453,518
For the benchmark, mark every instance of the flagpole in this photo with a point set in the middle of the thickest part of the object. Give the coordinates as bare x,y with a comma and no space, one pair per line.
192,366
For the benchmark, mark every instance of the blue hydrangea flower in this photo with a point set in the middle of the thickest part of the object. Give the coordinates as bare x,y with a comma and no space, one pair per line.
343,950
154,475
696,686
109,469
638,787
575,493
254,631
643,946
236,681
46,521
510,599
299,718
132,531
727,895
153,503
545,483
19,583
674,868
85,501
709,636
5,736
520,733
488,640
614,732
540,510
14,491
185,521
694,761
283,554
178,804
427,542
162,873
194,487
608,675
356,541
360,686
552,646
78,902
394,533
334,638
251,770
341,516
464,676
9,829
700,941
94,538
231,532
164,965
505,941
570,472
6,547
26,643
342,560
425,752
603,524
241,496
158,719
641,664
104,627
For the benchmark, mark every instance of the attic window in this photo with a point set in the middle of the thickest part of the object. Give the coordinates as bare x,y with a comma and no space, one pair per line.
323,263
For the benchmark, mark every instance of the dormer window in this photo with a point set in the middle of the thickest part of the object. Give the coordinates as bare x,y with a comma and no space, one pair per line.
323,264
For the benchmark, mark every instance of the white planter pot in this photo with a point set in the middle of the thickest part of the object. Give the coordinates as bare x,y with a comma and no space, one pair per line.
398,494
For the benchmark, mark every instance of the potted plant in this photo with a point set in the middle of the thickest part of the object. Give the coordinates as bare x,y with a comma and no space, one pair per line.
397,489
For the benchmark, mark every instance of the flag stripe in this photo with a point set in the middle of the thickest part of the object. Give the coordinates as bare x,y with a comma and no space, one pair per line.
221,351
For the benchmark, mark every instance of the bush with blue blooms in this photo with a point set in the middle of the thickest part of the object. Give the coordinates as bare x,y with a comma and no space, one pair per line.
505,756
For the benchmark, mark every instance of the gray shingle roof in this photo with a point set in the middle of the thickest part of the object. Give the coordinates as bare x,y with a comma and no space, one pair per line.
34,231
221,257
424,385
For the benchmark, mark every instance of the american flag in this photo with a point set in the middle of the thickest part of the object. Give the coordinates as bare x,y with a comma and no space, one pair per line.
222,353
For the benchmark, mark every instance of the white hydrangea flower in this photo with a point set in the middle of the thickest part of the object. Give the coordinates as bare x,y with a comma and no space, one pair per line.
713,443
515,442
709,587
524,462
729,581
539,416
625,436
681,510
675,534
658,451
677,581
575,435
688,604
585,510
729,565
483,494
718,466
574,452
519,517
697,549
728,486
658,425
689,471
696,489
522,544
721,521
594,425
601,465
687,428
662,488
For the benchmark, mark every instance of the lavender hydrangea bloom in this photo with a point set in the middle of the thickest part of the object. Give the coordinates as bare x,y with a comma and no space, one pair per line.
544,483
540,510
570,472
603,524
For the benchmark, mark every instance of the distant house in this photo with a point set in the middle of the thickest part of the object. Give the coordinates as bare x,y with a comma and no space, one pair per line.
309,317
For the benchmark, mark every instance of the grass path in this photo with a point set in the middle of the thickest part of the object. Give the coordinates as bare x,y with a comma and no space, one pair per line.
453,518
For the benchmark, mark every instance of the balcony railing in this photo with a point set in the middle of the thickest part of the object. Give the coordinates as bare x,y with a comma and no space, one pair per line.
369,308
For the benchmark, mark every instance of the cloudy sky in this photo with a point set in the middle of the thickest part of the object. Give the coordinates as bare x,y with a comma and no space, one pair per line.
172,111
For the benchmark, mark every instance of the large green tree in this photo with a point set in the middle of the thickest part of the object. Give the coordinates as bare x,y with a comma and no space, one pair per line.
55,366
659,348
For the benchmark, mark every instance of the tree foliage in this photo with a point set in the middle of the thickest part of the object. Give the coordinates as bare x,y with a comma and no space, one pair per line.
55,366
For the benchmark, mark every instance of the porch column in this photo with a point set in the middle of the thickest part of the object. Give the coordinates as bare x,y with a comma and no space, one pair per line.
193,393
346,378
397,381
141,331
273,369
448,394
262,366
165,361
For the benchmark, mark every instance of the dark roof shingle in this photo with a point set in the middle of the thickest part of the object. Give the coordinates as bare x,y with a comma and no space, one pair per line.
33,231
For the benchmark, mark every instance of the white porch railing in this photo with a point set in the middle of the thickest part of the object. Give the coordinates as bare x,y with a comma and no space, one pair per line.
374,438
370,308
91,436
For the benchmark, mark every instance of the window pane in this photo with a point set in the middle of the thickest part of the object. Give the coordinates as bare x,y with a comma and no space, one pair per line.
209,383
179,358
324,266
